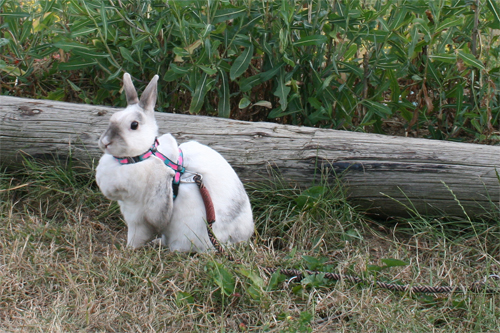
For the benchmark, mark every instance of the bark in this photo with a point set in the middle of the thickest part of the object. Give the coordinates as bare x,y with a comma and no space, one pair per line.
385,175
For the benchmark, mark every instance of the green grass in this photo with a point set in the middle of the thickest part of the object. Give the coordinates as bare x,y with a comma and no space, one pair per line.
64,266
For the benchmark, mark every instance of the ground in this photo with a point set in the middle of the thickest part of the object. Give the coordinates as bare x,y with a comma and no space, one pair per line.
65,267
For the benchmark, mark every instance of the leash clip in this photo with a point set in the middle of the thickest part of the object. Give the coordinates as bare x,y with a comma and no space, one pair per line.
188,177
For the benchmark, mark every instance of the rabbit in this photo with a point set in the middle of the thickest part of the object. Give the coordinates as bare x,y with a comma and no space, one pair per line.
132,172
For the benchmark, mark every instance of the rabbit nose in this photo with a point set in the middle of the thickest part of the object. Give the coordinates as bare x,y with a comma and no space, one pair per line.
105,142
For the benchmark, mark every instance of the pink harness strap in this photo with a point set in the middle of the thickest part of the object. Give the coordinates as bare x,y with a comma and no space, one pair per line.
153,151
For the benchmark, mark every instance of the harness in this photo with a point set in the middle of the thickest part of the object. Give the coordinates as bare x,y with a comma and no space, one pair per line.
153,151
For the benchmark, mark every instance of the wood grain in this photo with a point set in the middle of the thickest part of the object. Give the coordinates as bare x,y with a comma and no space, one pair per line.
382,174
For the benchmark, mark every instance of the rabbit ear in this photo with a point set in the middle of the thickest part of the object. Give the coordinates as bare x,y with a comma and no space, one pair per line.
129,88
148,97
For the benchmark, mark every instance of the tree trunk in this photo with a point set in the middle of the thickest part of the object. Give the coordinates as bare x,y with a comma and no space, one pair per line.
385,175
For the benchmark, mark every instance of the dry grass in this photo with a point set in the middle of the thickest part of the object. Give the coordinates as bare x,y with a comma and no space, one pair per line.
64,268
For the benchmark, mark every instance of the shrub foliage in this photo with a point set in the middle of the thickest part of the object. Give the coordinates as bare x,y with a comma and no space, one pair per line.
429,64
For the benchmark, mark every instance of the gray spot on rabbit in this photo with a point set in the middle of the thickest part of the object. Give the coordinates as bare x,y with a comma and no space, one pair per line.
114,133
138,117
163,189
236,206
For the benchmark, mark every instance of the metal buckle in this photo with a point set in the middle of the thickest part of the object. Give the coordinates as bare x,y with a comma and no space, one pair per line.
188,177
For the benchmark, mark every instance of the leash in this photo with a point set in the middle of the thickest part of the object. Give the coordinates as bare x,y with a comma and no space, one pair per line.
478,286
210,212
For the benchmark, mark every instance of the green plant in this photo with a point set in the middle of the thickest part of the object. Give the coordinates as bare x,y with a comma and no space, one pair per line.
429,65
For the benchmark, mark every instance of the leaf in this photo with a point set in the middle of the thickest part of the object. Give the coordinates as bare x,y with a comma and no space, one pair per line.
223,279
395,90
350,52
376,36
179,54
311,40
493,6
449,23
398,19
352,68
140,40
11,70
70,46
224,107
444,57
56,95
75,63
305,318
459,97
394,262
241,63
85,31
374,268
434,73
275,279
208,29
315,103
288,61
15,15
424,28
4,41
282,92
476,125
314,263
265,104
104,21
170,76
199,95
127,55
74,86
178,69
272,72
278,112
43,22
184,298
89,52
248,83
379,109
470,60
310,196
158,27
413,41
114,75
191,48
244,102
314,280
253,276
228,14
208,70
254,292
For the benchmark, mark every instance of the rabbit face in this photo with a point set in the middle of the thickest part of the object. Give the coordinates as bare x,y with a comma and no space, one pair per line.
131,132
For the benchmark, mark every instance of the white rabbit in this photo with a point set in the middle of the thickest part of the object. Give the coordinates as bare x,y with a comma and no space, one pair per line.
134,174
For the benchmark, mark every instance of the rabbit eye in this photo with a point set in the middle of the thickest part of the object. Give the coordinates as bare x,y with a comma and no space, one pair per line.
134,125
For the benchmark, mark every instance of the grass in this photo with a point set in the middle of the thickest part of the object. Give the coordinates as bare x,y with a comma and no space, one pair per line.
64,267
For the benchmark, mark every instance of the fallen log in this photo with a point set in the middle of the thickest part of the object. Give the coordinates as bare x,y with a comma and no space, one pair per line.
382,174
